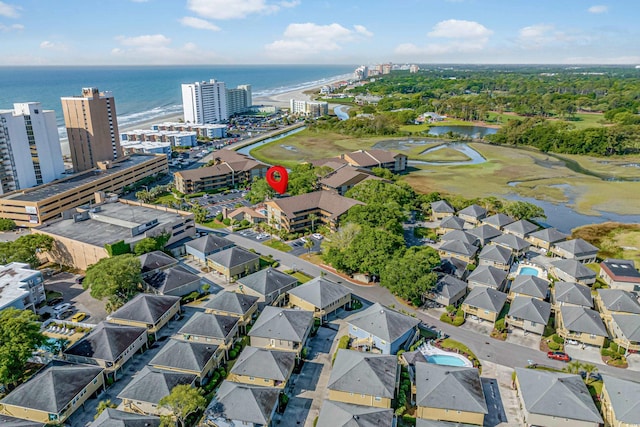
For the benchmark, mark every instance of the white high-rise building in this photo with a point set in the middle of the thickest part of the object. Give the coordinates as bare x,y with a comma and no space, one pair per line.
239,100
205,102
29,147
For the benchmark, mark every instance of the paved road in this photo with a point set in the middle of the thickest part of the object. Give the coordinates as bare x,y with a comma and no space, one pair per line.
484,347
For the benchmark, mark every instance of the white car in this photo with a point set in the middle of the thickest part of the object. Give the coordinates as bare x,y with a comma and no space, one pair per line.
61,307
303,239
317,236
262,236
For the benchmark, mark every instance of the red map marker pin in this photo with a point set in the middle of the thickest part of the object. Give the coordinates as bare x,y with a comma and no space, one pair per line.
278,184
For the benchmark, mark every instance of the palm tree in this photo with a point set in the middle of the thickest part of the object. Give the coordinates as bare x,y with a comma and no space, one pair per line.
313,218
573,367
308,245
589,369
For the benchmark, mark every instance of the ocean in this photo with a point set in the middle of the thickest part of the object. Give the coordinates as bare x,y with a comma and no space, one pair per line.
143,93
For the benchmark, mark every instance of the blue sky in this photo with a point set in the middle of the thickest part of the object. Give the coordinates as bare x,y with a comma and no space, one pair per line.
188,32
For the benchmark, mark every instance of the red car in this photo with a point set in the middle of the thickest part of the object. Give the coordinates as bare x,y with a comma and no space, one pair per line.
558,355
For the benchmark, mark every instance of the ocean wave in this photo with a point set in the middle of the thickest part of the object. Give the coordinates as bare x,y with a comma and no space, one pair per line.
305,85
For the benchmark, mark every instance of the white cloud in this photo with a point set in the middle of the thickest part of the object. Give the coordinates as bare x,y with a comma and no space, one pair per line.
13,27
462,37
49,45
309,39
598,9
199,24
158,49
235,9
459,29
9,10
541,35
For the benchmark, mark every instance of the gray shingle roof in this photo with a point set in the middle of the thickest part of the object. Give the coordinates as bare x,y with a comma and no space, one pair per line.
145,308
242,402
184,355
488,275
583,319
512,242
454,266
550,235
53,388
233,257
530,285
621,270
150,384
449,286
574,269
284,324
113,418
449,387
486,299
172,278
155,260
452,222
209,325
498,220
383,322
320,292
422,422
495,253
474,211
531,309
458,247
573,293
623,395
442,206
577,247
463,236
366,373
107,341
267,281
618,300
209,243
556,394
7,421
263,363
522,227
485,232
231,302
340,414
629,324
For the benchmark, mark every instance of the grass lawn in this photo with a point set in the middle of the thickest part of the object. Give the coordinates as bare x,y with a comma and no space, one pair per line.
165,199
456,345
302,278
213,224
313,258
52,294
615,240
445,154
277,244
579,121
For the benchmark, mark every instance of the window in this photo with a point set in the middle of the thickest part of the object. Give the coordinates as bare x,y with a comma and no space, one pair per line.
251,378
377,398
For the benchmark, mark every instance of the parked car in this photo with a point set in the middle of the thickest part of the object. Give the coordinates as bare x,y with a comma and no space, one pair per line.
55,301
303,239
79,316
558,355
62,307
317,236
594,376
64,314
79,279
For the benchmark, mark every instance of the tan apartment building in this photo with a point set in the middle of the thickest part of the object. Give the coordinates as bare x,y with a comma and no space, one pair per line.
92,128
263,367
236,304
199,359
230,170
320,296
484,303
31,207
281,329
581,324
82,236
295,213
619,402
147,311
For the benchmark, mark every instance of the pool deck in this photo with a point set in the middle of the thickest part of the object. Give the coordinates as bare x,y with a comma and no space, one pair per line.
516,268
428,350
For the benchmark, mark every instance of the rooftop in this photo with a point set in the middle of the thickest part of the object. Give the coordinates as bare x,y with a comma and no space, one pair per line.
530,285
113,418
320,292
106,341
383,322
244,403
621,270
267,281
13,285
486,299
488,275
150,385
574,269
531,309
263,363
573,293
233,257
210,243
583,319
449,387
284,324
364,373
209,325
231,302
550,235
53,188
145,308
328,201
623,395
340,414
620,301
184,355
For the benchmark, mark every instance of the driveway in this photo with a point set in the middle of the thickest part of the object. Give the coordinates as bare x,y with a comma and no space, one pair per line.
634,362
530,340
589,354
502,400
479,326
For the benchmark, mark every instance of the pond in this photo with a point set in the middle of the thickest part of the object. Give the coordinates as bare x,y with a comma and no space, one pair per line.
341,112
469,131
474,157
245,150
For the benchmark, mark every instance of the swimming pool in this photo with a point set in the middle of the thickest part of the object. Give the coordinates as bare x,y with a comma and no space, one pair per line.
528,271
445,359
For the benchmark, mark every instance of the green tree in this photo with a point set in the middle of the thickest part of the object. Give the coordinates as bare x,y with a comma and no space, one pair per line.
573,367
387,215
146,245
302,179
102,405
313,218
144,196
260,191
374,191
19,337
182,401
7,224
383,173
199,212
308,245
371,249
589,370
524,210
410,274
25,249
117,278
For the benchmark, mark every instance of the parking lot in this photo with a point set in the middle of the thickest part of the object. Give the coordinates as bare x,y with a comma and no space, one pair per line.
72,293
215,203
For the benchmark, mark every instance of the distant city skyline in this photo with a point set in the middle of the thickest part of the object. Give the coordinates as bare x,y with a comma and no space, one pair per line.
192,32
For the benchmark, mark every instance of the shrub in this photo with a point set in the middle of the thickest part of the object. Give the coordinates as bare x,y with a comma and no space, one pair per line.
226,221
400,410
459,320
500,327
232,354
613,347
7,224
275,264
409,420
557,339
554,346
450,308
219,217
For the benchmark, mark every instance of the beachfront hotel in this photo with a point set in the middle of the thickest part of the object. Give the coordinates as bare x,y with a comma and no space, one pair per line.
33,206
30,151
92,128
205,102
308,108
